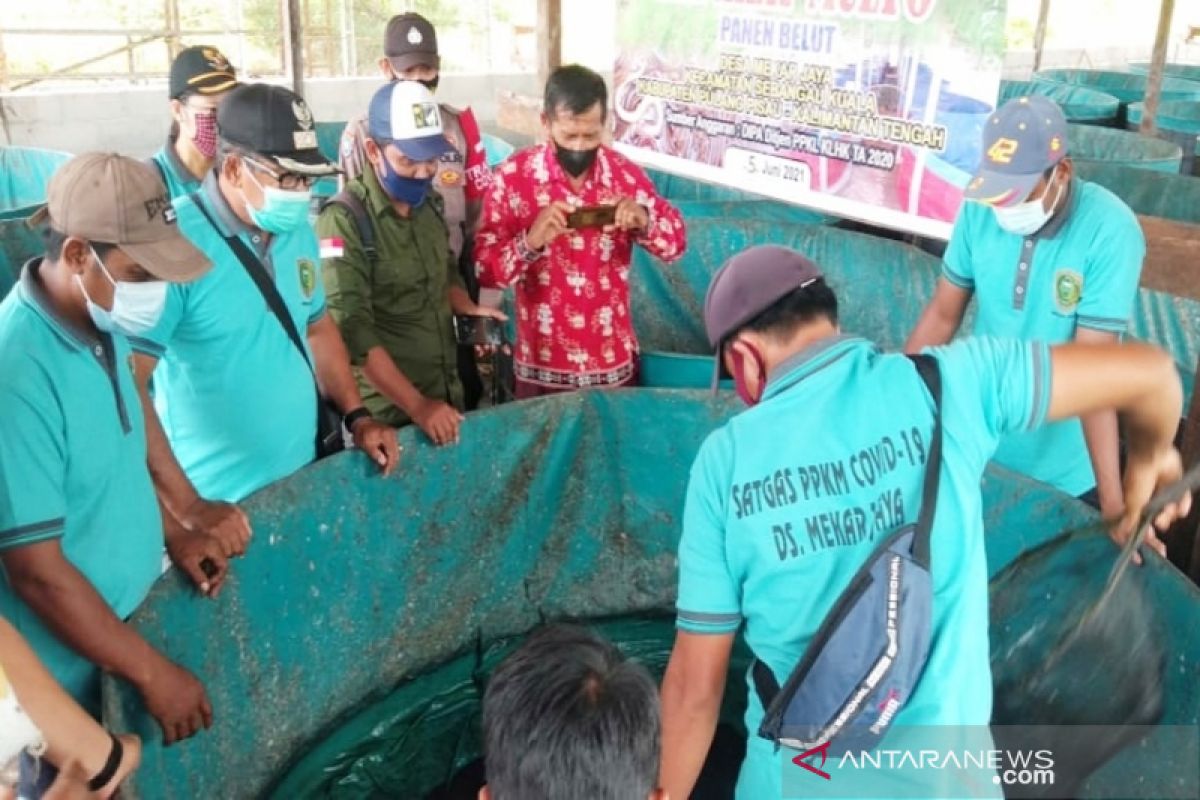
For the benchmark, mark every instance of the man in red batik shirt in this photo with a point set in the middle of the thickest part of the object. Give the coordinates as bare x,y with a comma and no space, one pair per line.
574,329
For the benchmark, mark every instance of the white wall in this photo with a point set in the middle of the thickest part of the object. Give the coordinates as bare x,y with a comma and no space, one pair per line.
134,120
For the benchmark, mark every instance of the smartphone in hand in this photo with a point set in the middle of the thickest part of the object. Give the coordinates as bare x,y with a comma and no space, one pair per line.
592,217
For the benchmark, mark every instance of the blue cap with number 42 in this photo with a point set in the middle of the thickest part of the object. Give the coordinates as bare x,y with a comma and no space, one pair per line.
1024,138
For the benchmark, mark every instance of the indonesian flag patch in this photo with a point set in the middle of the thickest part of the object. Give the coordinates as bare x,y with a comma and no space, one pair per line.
333,248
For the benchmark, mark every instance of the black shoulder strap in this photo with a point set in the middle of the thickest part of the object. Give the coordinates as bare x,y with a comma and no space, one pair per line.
927,368
362,221
258,274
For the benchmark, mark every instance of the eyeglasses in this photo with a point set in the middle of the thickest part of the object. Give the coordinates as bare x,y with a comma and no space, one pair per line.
289,181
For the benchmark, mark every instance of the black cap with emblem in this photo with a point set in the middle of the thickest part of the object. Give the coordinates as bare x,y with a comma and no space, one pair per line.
410,41
201,70
276,123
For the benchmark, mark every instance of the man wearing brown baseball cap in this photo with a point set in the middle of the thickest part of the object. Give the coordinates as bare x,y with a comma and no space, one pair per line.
791,498
81,535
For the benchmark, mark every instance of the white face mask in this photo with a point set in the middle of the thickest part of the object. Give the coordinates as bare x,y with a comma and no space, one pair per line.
1026,219
136,306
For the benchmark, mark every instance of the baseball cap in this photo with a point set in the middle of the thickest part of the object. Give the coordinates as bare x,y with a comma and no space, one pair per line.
201,69
405,114
276,123
1024,138
747,285
410,41
106,197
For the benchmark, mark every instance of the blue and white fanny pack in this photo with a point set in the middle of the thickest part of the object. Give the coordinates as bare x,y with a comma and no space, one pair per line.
870,650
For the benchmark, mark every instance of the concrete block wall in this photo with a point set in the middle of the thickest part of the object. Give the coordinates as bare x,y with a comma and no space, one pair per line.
134,119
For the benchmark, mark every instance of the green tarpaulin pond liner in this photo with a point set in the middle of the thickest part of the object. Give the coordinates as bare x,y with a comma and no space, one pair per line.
1189,72
1126,87
357,587
1090,144
882,285
1079,104
1178,122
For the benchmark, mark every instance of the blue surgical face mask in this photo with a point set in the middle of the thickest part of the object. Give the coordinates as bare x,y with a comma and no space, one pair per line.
1026,219
136,306
282,211
410,191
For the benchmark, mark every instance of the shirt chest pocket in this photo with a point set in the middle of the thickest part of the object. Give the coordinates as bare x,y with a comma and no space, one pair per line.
410,279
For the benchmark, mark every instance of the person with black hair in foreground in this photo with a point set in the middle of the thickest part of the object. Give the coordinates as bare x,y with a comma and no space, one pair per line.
560,222
790,499
566,716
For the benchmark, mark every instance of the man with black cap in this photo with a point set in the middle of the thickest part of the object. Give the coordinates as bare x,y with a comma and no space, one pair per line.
1051,258
394,284
246,350
781,515
81,534
200,77
462,177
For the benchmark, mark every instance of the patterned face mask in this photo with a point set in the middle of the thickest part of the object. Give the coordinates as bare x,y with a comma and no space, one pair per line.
205,137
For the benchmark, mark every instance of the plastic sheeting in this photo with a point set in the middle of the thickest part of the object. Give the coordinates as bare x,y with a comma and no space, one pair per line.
1079,104
24,174
567,507
1177,122
1188,72
428,731
882,287
1089,144
1126,87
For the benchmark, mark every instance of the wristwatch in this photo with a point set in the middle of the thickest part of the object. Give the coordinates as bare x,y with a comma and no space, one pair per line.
354,416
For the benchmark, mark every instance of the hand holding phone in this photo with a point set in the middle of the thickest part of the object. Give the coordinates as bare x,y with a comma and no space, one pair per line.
592,217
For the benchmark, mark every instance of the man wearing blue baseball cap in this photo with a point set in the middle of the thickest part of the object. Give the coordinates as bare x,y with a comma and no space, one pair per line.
391,275
1051,258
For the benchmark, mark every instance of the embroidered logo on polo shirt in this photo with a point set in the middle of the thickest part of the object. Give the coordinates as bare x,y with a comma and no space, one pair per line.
1068,290
308,277
449,178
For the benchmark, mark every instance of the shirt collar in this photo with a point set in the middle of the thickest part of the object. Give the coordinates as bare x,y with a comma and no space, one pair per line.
810,361
177,166
31,292
227,221
1052,228
600,174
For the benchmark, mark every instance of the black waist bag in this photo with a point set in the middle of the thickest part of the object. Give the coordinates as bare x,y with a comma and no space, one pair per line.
869,652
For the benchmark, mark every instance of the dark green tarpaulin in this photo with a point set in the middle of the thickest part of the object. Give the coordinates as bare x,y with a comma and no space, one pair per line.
355,583
24,174
882,284
1177,122
1126,87
1090,144
1079,104
1189,72
1182,116
882,287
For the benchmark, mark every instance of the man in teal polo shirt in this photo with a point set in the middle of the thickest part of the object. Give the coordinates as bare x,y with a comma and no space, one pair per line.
235,394
789,499
200,78
81,537
1050,258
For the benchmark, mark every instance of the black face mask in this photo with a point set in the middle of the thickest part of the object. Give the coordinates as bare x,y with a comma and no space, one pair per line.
431,85
574,162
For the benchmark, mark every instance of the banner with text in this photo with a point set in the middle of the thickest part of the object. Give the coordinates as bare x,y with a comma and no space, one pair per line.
868,109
